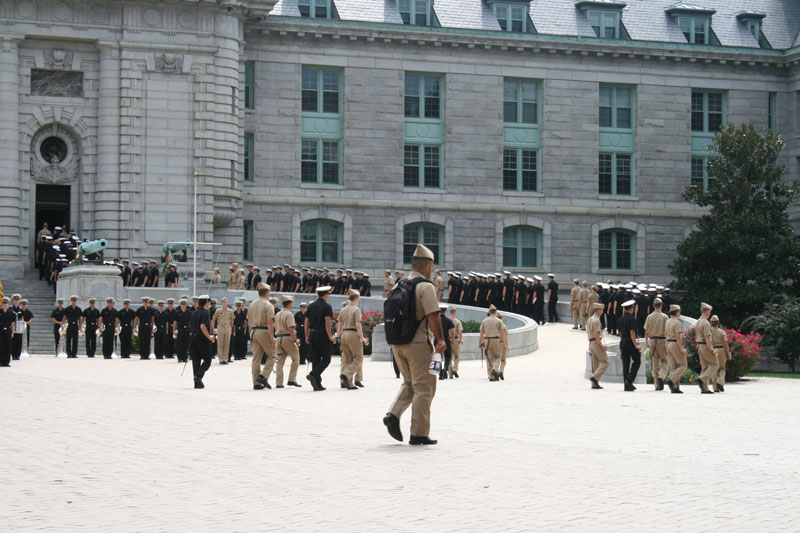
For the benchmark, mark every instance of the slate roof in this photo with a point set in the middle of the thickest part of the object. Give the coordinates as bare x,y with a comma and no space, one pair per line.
644,20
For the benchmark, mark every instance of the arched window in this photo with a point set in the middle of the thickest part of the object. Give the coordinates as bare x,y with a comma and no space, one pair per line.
521,247
431,235
617,249
321,241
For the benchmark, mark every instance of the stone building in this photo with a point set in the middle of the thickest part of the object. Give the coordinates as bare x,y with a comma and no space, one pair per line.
531,136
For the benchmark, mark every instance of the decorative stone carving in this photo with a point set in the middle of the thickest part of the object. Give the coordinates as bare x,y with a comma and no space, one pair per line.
224,211
58,59
57,83
169,62
55,156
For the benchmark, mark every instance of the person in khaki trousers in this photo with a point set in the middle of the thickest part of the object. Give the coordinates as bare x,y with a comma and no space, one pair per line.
352,341
456,340
574,303
598,350
414,359
286,337
261,317
492,339
676,353
705,348
655,336
584,304
222,322
722,350
388,282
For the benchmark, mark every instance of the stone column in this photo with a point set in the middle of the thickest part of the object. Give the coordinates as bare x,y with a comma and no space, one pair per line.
11,262
107,191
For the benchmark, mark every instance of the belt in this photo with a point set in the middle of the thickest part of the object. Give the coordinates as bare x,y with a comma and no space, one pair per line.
283,335
671,340
259,327
718,347
350,329
658,338
317,330
491,338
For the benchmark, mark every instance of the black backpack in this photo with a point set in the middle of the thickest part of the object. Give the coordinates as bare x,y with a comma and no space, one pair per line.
400,312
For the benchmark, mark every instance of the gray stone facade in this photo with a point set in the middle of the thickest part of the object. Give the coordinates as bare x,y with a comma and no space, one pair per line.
163,99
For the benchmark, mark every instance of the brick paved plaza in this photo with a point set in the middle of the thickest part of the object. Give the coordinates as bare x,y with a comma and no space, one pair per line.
121,445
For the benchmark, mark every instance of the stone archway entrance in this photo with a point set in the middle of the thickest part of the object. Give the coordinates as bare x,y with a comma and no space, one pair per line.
52,206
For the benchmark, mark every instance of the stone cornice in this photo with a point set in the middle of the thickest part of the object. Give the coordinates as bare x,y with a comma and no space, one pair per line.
522,43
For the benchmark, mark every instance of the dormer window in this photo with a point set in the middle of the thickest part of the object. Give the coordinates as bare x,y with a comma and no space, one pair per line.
694,22
605,17
512,16
416,12
316,9
753,21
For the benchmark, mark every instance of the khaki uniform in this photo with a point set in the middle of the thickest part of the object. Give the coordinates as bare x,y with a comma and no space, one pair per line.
352,348
675,356
388,283
708,359
439,282
287,347
455,344
599,355
719,338
413,360
656,328
258,316
575,297
583,315
223,320
492,328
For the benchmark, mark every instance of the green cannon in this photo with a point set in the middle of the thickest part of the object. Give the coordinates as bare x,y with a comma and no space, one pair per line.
171,248
92,250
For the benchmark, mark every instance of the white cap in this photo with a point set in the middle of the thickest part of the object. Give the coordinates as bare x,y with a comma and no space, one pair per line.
537,278
636,291
529,279
326,288
506,272
629,303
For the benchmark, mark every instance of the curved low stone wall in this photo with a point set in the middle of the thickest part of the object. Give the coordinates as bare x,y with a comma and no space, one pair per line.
101,282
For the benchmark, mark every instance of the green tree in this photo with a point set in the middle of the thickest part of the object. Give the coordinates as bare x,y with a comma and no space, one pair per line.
779,325
744,249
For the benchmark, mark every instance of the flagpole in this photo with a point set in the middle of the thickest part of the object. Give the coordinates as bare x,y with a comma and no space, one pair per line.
194,239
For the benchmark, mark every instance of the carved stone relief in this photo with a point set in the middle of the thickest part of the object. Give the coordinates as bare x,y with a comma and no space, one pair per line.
55,156
58,58
57,83
169,62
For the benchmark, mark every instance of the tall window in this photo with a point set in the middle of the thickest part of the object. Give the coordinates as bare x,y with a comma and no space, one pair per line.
422,166
520,101
695,29
247,240
321,241
319,161
249,84
700,175
423,96
707,111
512,17
616,174
320,9
604,23
415,12
616,250
321,90
520,170
249,156
771,102
521,245
422,233
616,107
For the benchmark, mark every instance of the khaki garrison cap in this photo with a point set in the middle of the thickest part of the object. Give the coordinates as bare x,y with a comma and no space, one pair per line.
704,307
674,307
353,292
714,318
598,306
492,308
423,252
657,301
261,286
286,298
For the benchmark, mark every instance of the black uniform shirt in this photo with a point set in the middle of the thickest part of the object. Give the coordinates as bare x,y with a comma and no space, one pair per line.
197,319
73,315
27,315
161,318
7,319
145,315
239,318
126,276
300,324
90,317
126,317
182,317
153,281
256,281
109,317
58,314
553,286
447,325
317,312
627,323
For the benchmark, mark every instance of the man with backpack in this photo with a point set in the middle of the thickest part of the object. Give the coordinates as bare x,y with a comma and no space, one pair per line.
412,322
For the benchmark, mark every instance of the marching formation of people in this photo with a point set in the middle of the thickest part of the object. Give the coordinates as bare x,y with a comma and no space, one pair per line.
299,281
15,333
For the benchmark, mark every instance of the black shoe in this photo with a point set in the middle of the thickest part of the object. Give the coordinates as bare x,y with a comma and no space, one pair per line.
352,387
707,391
293,384
392,424
501,376
442,377
701,385
669,383
455,373
415,441
721,388
495,375
676,390
629,387
278,386
359,384
632,385
313,381
223,362
660,384
258,386
263,381
343,381
198,383
595,383
90,356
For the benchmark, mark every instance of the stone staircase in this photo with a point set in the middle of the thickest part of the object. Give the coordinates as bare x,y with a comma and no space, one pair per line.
41,302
